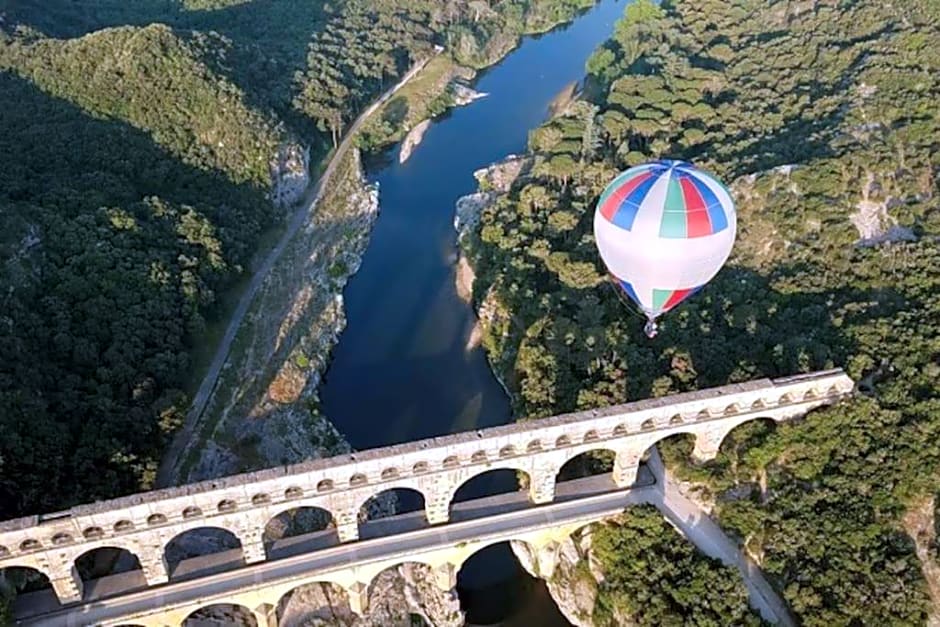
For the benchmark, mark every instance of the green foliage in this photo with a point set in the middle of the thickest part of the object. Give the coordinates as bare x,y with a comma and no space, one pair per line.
117,251
133,74
371,43
654,576
6,610
814,116
135,148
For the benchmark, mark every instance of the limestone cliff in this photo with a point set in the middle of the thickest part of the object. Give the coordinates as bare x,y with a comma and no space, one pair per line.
492,317
263,410
572,575
266,405
396,597
290,174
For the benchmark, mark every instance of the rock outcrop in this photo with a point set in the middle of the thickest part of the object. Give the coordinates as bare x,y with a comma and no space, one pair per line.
412,139
290,174
396,597
493,180
572,575
467,212
875,225
464,95
920,525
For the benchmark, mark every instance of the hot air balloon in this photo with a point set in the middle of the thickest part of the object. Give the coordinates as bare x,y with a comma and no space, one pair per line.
664,229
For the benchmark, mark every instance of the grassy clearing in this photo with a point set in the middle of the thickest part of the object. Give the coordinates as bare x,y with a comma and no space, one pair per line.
424,97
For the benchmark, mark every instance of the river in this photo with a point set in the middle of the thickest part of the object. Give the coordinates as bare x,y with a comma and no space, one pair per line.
401,370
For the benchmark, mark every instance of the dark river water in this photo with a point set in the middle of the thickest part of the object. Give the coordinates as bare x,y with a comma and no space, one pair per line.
401,370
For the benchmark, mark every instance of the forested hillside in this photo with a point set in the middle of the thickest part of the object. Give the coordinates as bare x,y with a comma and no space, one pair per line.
824,118
136,142
654,576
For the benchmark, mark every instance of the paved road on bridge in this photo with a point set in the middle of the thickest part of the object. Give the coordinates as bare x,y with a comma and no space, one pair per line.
572,506
401,537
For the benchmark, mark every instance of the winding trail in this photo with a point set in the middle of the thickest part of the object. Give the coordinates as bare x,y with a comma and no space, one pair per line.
709,538
167,473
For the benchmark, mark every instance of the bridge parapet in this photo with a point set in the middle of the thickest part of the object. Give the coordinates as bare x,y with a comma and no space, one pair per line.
243,504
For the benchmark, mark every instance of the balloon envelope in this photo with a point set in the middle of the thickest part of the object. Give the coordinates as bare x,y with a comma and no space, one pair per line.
664,229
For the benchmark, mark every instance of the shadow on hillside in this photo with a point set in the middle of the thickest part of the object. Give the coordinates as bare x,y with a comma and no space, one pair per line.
263,42
97,330
743,327
739,327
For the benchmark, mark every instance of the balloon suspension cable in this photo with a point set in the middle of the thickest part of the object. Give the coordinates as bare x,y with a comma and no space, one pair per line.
651,328
627,303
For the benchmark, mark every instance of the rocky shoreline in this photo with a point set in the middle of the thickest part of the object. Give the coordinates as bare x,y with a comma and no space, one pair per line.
460,95
284,424
412,139
576,575
493,180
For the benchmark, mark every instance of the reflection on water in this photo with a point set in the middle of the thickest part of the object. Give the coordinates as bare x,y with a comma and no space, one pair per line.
401,370
495,599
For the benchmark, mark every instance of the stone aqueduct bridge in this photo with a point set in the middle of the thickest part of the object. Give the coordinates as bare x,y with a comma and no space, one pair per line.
144,524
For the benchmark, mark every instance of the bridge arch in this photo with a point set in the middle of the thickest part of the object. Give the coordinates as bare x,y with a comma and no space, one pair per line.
392,502
460,558
316,503
585,462
292,520
485,579
26,577
502,477
753,429
709,438
222,544
107,560
684,438
222,614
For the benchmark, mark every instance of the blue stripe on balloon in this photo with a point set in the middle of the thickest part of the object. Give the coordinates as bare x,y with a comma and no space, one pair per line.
630,206
626,287
716,213
622,178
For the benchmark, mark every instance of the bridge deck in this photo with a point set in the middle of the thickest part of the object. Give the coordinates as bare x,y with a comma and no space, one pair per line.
202,577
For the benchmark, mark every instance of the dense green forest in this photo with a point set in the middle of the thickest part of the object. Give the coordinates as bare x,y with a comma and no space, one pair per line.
136,141
654,576
823,116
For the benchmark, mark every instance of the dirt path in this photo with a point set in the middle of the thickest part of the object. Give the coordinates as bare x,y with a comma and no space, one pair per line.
167,474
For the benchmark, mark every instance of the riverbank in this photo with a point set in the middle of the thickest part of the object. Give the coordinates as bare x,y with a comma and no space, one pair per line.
186,445
269,390
238,411
264,408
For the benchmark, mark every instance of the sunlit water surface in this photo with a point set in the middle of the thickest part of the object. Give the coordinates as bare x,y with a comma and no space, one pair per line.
402,370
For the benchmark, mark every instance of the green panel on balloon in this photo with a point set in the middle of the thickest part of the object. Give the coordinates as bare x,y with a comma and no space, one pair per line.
673,221
660,297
